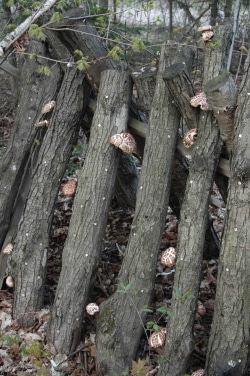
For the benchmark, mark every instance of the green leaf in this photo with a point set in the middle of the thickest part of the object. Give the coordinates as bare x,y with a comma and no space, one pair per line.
36,4
33,56
78,52
57,17
61,5
37,32
137,44
82,64
27,12
115,52
45,70
11,27
178,293
147,310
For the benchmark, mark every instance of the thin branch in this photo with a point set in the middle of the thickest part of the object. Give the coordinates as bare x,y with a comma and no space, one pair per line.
12,37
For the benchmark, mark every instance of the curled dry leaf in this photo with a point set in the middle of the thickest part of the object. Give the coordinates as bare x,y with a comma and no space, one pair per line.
9,281
199,372
92,308
48,107
8,249
168,258
190,137
125,142
199,100
69,189
158,339
43,123
201,309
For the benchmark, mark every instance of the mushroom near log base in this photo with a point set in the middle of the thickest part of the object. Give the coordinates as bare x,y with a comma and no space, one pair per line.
199,372
125,142
190,137
92,309
168,258
69,189
8,249
158,339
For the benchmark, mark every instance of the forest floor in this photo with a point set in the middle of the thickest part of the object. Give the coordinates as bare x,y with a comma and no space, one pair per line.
24,351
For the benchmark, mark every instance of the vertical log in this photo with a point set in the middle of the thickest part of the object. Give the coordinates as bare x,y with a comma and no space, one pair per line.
191,233
87,227
120,321
28,261
228,348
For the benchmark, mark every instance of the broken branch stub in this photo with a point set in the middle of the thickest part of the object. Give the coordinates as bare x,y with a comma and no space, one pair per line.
221,93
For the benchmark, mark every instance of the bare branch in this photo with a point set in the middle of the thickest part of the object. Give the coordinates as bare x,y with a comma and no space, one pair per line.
15,34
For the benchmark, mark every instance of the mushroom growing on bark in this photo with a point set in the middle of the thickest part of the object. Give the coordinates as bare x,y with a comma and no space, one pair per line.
158,339
207,32
199,100
8,249
125,142
168,258
190,137
92,309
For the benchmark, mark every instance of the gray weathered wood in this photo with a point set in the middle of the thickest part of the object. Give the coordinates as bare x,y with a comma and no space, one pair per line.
191,234
84,243
228,348
120,318
221,93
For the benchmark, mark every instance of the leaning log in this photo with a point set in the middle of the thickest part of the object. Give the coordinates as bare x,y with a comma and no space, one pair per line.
221,93
120,321
191,235
84,243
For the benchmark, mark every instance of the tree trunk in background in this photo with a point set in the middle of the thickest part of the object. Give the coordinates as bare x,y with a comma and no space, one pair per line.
120,318
191,233
28,261
228,348
84,243
36,90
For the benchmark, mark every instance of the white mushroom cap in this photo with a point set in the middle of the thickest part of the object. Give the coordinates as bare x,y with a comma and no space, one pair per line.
48,107
168,258
125,142
158,339
204,28
9,281
8,249
92,309
201,309
199,372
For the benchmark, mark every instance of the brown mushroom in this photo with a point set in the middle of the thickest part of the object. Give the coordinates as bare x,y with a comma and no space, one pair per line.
168,258
158,339
190,137
48,107
207,32
92,309
69,189
201,310
199,100
125,142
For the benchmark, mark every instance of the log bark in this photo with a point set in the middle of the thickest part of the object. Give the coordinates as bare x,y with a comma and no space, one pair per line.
87,228
221,93
36,90
228,348
120,321
28,261
191,235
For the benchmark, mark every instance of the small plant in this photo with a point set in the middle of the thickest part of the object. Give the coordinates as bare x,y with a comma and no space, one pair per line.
185,296
141,367
37,32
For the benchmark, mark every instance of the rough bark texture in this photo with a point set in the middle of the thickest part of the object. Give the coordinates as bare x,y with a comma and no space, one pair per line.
221,93
180,86
228,349
36,91
120,318
191,235
28,261
144,80
87,227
